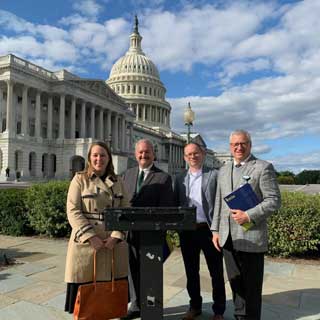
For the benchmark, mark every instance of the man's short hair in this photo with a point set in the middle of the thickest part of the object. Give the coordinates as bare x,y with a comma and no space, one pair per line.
146,141
200,147
239,132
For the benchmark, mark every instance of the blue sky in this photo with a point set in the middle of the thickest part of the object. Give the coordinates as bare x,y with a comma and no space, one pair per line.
242,64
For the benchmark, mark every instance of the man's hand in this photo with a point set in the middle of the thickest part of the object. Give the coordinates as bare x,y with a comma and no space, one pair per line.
215,240
239,216
96,243
110,242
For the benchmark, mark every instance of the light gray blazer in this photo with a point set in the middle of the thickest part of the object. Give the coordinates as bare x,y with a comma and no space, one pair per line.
208,190
264,183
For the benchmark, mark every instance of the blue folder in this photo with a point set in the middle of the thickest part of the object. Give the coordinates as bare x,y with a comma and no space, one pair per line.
243,198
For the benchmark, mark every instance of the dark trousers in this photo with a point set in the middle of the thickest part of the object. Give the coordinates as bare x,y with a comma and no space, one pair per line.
245,273
192,242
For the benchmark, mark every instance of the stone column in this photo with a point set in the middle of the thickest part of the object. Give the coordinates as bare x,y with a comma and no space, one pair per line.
10,121
25,115
50,118
1,109
109,131
137,112
62,116
101,130
116,133
170,159
83,120
131,137
92,128
144,110
73,118
38,115
123,133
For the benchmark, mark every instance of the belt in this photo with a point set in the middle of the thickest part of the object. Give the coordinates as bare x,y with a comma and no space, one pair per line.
94,215
201,225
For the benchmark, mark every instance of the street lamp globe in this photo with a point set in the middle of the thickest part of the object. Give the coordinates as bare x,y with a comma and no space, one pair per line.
188,115
188,119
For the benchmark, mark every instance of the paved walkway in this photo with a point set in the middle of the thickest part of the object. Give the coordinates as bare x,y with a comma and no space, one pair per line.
34,288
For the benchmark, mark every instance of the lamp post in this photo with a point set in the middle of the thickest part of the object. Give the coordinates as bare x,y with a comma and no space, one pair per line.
188,117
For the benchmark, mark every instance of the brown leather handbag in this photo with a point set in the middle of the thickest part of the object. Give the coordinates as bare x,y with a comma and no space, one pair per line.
101,300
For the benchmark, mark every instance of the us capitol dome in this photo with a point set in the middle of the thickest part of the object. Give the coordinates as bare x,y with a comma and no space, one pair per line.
136,79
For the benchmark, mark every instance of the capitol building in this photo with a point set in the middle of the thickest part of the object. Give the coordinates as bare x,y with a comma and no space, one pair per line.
49,119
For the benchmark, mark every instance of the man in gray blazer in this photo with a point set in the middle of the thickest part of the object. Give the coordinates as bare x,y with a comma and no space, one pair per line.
244,250
197,187
148,186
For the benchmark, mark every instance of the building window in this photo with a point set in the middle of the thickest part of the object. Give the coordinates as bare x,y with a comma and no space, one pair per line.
18,127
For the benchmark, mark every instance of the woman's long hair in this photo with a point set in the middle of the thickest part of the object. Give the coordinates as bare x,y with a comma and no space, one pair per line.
110,168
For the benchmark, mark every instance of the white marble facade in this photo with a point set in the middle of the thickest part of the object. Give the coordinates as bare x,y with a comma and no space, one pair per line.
48,120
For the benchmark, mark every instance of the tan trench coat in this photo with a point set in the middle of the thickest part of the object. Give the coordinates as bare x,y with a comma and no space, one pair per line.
87,197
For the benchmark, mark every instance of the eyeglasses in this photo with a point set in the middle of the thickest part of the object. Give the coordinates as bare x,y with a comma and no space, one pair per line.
193,154
238,144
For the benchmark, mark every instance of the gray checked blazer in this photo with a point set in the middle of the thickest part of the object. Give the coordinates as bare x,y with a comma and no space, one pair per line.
208,188
264,183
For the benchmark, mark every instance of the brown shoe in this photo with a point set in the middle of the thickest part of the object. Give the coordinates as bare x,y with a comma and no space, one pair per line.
192,314
218,317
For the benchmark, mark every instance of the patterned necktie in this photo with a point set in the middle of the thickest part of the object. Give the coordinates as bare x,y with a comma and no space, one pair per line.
140,181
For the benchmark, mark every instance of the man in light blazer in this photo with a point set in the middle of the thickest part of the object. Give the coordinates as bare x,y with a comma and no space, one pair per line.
197,187
148,186
244,250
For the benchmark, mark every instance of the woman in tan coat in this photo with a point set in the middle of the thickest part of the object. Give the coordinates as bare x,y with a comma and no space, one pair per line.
90,192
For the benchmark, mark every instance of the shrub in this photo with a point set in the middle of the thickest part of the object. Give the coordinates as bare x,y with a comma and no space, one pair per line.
285,180
295,228
13,213
46,203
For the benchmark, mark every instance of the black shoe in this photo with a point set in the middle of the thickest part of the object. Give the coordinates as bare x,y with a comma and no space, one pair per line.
191,314
131,315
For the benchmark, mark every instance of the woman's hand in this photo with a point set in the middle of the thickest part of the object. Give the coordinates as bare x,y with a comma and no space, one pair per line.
110,242
96,243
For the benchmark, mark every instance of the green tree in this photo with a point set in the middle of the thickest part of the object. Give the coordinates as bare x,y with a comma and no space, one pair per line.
308,176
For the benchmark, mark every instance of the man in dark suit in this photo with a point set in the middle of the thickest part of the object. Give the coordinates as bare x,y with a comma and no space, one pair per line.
148,186
197,187
244,250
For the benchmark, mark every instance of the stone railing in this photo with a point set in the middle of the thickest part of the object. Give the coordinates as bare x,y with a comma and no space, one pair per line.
13,60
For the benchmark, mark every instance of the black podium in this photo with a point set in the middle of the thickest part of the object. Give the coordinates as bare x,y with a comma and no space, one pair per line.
151,222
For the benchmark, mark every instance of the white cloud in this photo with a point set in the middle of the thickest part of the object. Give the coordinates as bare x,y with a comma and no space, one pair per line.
270,108
233,69
199,35
87,7
21,46
10,21
80,39
298,162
